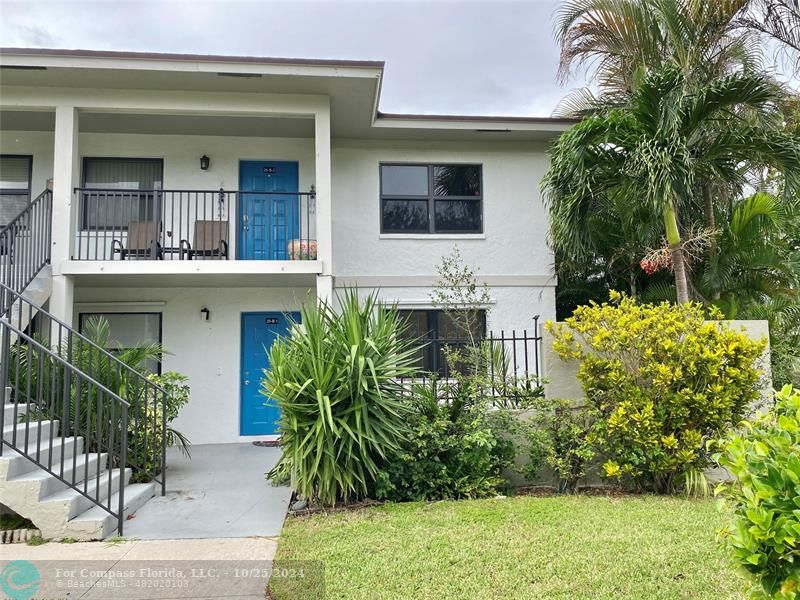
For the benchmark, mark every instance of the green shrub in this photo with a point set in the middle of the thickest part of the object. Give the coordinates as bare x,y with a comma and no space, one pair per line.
662,382
334,379
451,452
765,459
557,436
148,440
45,377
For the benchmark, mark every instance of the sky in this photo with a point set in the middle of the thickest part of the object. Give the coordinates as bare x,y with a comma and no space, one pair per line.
442,56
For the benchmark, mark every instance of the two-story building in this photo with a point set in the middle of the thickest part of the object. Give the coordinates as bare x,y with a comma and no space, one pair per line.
199,201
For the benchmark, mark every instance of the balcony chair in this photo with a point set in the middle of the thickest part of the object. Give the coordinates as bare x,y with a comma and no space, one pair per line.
210,239
140,242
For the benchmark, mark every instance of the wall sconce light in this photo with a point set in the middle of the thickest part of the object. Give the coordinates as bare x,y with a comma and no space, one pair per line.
205,162
206,313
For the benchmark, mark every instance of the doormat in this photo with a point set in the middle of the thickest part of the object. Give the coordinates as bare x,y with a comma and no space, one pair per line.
268,444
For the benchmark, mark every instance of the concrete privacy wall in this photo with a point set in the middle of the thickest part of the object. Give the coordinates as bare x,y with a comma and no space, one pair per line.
563,381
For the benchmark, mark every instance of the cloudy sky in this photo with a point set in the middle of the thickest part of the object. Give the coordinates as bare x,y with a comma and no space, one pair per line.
491,57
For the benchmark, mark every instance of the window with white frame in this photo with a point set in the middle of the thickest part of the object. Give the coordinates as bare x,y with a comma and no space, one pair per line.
127,330
15,185
119,190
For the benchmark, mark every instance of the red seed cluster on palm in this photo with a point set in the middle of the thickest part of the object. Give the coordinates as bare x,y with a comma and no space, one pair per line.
649,266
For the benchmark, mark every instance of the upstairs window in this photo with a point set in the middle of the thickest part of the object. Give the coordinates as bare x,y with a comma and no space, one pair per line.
15,185
119,190
431,198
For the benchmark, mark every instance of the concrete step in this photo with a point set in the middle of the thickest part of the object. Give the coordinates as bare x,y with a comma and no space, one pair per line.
97,489
36,430
79,468
98,523
13,463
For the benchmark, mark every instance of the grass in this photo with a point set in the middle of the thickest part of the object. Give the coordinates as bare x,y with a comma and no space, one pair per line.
521,547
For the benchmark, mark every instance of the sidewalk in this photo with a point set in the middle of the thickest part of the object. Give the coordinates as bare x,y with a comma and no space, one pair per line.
144,569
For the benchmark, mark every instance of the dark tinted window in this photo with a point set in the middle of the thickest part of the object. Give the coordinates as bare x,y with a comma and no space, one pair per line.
458,215
457,180
438,329
431,199
404,180
403,216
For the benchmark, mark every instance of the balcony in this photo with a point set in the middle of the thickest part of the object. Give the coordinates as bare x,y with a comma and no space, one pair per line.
194,225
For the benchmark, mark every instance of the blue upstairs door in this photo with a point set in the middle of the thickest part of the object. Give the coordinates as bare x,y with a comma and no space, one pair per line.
267,221
259,414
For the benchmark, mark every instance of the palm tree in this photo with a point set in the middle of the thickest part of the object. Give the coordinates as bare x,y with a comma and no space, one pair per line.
754,260
625,39
652,152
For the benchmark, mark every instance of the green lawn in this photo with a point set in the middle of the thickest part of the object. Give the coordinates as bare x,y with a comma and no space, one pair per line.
522,547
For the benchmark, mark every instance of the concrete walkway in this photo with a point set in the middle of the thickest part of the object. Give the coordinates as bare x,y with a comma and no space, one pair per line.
145,569
220,492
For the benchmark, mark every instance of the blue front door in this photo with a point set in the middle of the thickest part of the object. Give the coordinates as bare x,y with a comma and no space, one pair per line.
259,414
268,218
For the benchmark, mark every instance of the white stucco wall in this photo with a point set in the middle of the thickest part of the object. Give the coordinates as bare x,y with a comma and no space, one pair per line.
208,352
181,155
39,144
515,220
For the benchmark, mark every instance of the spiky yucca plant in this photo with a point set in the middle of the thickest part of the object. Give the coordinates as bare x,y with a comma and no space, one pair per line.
335,380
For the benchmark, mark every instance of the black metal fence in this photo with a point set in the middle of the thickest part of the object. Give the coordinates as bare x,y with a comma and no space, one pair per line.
116,224
25,247
509,363
77,411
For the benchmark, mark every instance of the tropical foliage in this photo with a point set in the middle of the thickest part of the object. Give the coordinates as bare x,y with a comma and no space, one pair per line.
452,451
662,382
741,246
653,152
624,40
558,436
765,459
45,377
335,379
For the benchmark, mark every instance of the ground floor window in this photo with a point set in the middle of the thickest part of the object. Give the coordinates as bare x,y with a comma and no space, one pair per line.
128,330
440,329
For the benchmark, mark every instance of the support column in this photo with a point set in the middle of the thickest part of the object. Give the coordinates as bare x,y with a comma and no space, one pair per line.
322,146
66,174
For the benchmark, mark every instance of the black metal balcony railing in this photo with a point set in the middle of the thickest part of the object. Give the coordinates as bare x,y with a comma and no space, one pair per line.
222,224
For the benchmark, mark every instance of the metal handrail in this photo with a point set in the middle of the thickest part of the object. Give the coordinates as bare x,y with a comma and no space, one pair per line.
65,376
25,255
36,308
184,224
63,407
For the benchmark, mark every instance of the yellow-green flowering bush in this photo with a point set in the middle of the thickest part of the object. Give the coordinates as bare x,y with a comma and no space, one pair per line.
662,381
765,459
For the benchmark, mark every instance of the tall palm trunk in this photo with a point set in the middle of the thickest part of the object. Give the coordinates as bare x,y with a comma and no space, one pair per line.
676,252
708,210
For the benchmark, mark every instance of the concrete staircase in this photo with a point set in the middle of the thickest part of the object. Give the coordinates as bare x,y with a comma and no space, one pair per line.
36,493
38,292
